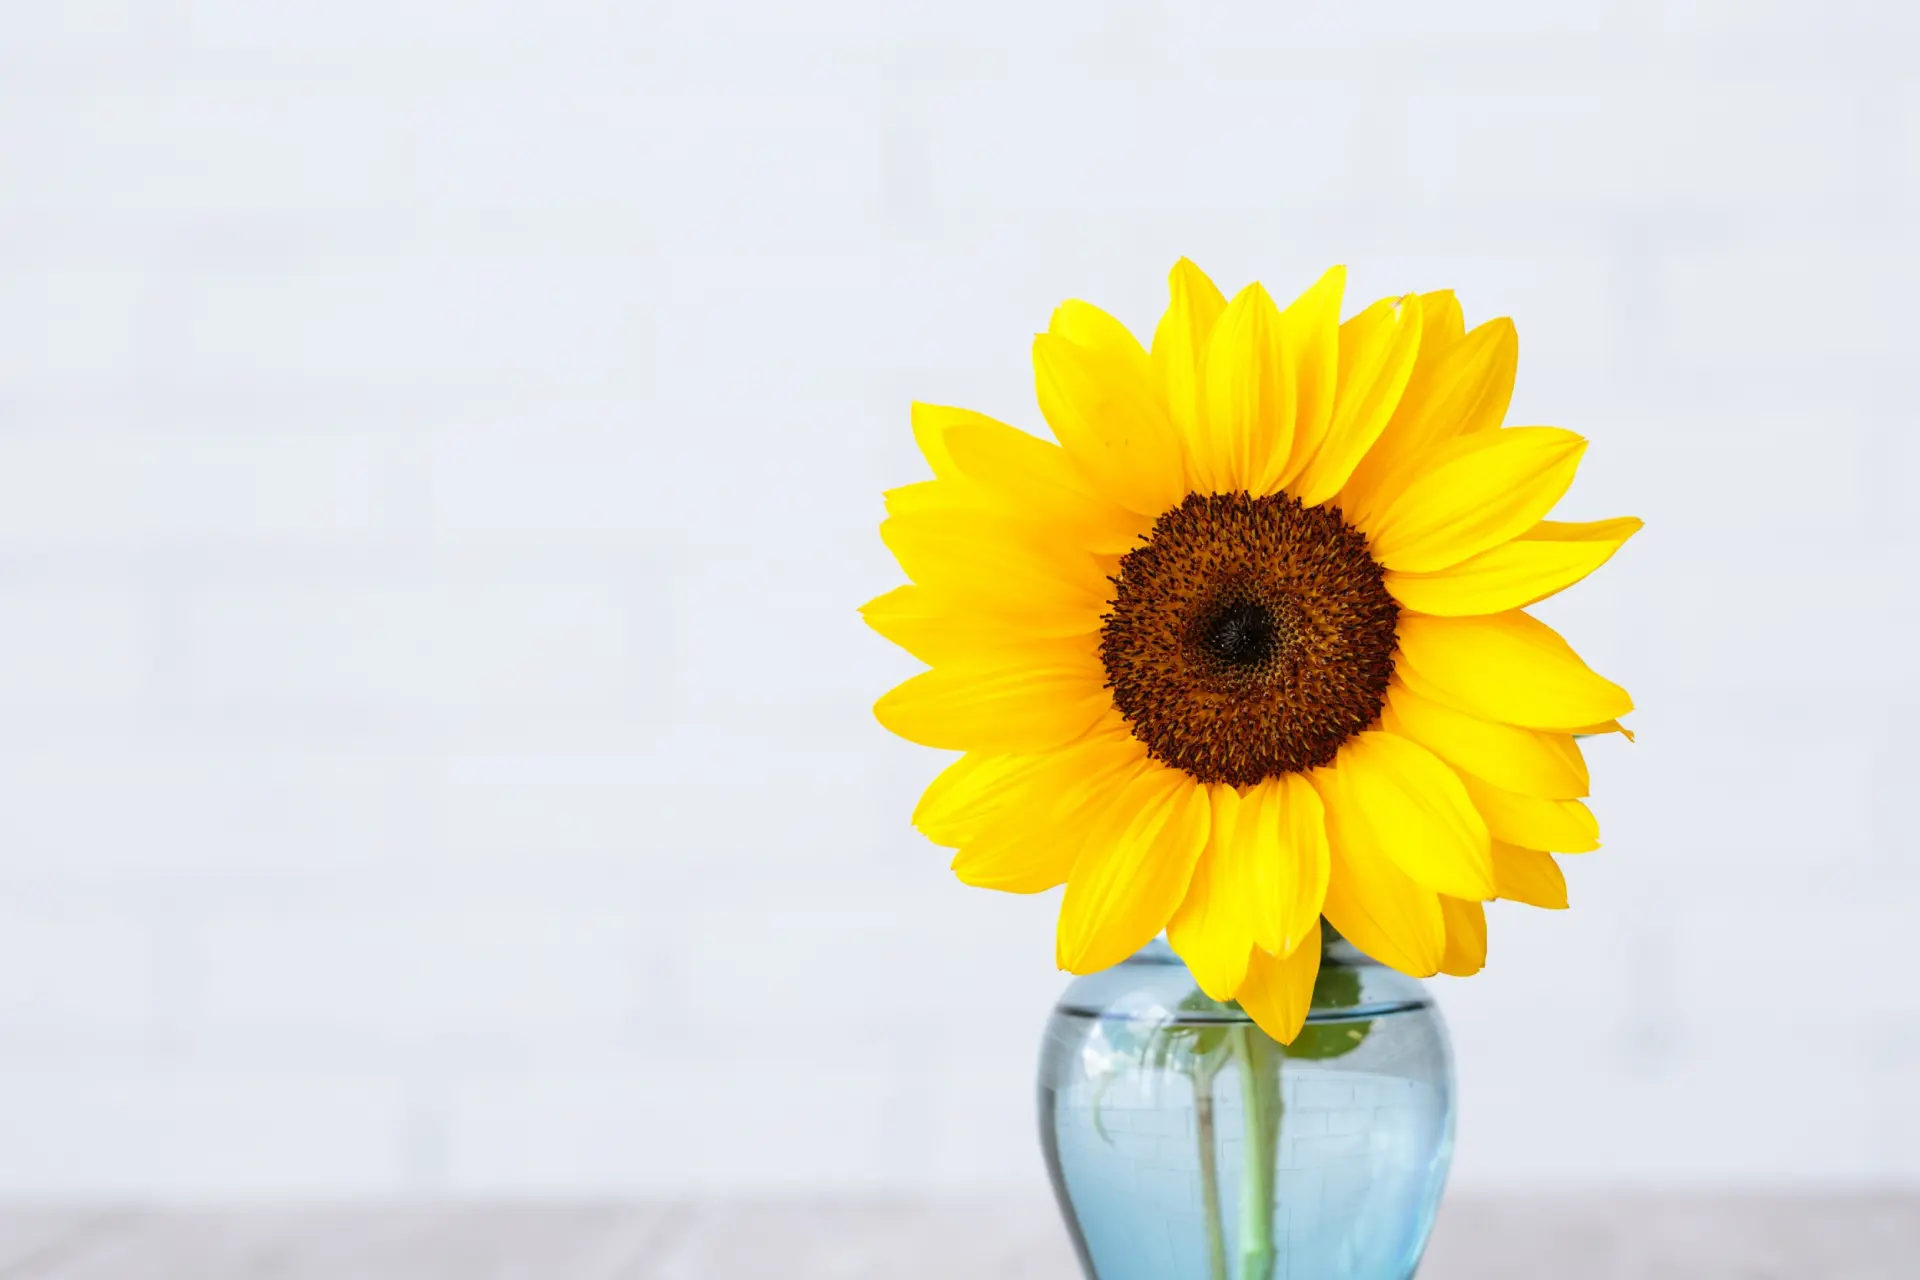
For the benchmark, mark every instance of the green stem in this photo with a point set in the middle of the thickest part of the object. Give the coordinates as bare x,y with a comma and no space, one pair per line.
1209,1172
1261,1107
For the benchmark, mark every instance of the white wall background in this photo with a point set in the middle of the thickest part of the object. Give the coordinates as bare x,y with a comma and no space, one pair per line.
440,445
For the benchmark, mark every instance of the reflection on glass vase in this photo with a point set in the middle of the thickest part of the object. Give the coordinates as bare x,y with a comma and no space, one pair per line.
1185,1144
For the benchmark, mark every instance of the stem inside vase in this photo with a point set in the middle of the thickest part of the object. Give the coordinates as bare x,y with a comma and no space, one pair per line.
1203,1075
1261,1107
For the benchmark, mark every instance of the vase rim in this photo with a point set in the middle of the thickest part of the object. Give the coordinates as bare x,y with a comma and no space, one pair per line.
1094,995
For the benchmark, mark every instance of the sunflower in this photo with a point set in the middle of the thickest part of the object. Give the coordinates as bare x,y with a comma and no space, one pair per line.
1247,647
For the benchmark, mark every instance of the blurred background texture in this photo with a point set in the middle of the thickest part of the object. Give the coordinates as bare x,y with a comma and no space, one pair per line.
440,454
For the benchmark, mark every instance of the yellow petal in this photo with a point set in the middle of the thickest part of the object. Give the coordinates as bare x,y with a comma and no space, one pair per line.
967,792
1458,387
1086,325
1107,414
1528,876
1249,397
1014,706
1035,832
1278,991
1310,346
976,562
1377,352
1179,356
1605,726
1482,490
905,616
1398,798
1505,666
1442,320
1566,826
1478,400
1291,862
1033,479
922,495
1133,871
1466,937
930,423
938,632
1028,848
1031,851
1547,558
1372,902
1213,929
1531,761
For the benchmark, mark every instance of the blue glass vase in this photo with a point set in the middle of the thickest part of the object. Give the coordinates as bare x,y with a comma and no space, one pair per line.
1185,1144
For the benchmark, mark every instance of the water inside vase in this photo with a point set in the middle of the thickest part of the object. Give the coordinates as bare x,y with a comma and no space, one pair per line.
1145,1083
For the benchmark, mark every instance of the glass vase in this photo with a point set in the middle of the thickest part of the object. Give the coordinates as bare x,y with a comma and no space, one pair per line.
1185,1144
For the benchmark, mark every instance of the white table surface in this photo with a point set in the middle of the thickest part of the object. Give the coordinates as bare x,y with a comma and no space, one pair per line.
1590,1238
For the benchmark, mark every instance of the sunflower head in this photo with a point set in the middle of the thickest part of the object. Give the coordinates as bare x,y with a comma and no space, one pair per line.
1248,637
1245,644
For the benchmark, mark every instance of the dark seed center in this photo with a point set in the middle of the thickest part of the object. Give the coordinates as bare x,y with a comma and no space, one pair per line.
1241,635
1249,637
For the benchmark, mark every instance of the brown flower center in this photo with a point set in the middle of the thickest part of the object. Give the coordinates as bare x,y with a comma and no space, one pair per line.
1249,637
